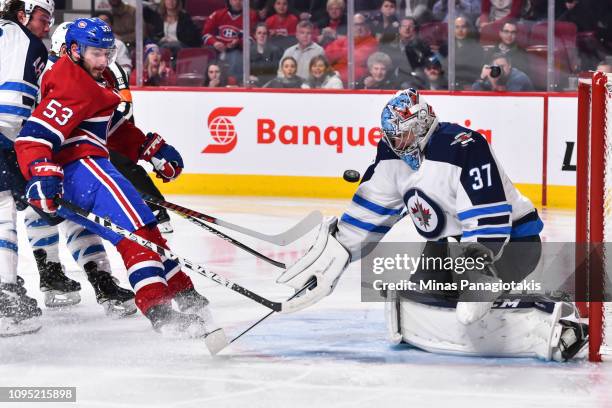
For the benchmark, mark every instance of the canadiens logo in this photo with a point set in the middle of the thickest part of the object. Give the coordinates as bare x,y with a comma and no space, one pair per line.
82,24
222,130
463,138
426,214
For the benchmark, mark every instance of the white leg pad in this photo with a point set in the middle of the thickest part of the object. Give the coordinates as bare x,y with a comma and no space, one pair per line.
502,332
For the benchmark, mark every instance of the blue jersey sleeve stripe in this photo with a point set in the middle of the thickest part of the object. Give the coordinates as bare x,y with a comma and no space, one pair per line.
529,228
488,231
16,110
11,246
38,131
381,229
477,212
378,209
19,87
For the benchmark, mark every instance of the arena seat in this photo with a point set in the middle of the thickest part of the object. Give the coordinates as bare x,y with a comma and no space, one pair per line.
191,64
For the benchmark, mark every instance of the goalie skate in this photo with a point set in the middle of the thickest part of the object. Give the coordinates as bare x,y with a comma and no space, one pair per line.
19,314
573,342
59,290
116,301
190,301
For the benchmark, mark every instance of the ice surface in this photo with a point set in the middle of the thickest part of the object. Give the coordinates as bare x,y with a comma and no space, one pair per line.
332,355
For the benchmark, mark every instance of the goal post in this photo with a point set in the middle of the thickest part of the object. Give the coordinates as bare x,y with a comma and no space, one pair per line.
593,213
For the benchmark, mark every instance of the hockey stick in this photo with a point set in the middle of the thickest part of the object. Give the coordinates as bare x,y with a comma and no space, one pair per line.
232,240
106,223
284,238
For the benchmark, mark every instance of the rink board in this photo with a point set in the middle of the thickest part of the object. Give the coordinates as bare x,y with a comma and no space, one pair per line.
299,143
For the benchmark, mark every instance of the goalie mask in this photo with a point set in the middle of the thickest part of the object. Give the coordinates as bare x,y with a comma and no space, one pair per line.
407,122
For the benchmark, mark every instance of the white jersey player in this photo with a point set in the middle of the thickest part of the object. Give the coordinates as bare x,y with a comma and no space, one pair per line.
22,59
447,179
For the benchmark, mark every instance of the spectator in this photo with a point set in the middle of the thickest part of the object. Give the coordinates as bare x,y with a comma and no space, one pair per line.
496,10
122,56
385,23
365,45
281,22
467,8
590,48
322,76
378,77
408,52
420,10
223,32
435,80
156,72
605,67
333,24
508,46
124,19
215,76
264,57
469,55
312,10
179,29
288,77
510,78
304,50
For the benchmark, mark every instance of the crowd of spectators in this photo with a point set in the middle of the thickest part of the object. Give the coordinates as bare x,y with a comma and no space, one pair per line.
304,43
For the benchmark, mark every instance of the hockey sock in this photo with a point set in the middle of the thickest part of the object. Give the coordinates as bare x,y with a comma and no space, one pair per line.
145,270
178,280
85,246
8,238
42,235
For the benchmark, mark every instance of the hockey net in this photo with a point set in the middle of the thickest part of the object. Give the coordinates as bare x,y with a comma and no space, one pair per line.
594,210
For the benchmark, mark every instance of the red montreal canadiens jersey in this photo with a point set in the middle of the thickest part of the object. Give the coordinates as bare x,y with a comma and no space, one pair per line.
76,118
222,26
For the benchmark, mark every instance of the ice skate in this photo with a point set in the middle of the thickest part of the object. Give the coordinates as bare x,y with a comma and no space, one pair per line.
163,221
116,301
190,301
19,313
59,289
173,324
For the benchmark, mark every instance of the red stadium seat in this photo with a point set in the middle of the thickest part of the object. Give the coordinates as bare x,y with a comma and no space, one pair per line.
191,64
489,35
435,33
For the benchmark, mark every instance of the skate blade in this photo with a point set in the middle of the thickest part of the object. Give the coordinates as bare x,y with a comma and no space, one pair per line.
117,310
10,328
216,341
57,299
165,227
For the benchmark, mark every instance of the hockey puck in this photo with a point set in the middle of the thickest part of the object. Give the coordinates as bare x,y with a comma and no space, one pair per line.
352,176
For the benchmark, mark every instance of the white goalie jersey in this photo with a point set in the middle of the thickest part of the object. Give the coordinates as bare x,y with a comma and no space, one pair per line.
459,191
22,60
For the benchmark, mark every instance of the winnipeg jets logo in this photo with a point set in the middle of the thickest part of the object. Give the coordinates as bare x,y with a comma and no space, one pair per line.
422,215
464,138
426,214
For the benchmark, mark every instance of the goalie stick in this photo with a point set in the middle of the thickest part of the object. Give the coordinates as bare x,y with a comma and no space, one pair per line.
284,238
106,223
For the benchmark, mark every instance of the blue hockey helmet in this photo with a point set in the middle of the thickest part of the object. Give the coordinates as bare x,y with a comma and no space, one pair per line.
91,32
407,122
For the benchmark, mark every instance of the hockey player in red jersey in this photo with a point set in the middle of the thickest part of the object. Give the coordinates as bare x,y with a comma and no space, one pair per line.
62,151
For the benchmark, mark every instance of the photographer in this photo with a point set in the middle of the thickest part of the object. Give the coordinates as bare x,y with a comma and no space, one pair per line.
501,76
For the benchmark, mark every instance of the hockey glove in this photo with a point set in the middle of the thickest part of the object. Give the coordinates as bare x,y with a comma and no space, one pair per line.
167,162
45,185
319,269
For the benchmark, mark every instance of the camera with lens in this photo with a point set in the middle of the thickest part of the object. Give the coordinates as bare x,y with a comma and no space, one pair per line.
495,71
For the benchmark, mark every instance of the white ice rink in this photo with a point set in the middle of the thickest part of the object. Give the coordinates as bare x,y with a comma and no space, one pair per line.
332,355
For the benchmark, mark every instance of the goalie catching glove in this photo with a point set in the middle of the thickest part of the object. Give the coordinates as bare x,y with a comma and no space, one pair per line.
319,269
166,160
